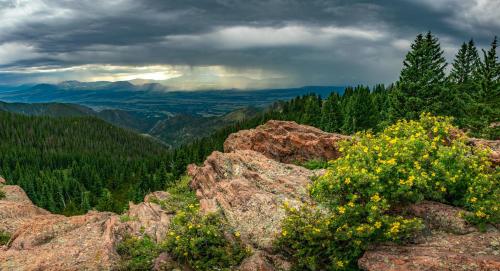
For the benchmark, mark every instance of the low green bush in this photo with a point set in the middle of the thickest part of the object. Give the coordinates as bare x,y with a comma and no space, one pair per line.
201,242
314,164
137,253
180,196
408,162
4,238
204,242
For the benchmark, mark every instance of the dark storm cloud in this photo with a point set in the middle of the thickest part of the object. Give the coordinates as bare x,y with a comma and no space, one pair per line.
291,41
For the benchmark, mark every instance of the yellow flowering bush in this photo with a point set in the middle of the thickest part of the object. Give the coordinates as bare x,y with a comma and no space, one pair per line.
406,163
201,241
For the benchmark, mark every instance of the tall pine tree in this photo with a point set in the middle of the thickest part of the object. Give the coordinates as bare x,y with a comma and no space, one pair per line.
486,110
489,73
465,65
422,79
331,114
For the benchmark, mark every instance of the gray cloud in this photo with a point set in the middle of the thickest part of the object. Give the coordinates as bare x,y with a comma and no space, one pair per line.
224,43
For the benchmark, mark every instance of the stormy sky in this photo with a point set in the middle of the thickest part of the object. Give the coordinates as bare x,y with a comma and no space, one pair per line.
201,44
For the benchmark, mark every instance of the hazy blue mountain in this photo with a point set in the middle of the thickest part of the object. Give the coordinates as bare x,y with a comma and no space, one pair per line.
152,98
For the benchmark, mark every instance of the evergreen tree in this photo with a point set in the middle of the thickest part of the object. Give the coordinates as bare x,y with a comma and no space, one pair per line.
359,112
105,202
311,114
380,99
486,110
489,73
331,114
456,97
465,65
422,79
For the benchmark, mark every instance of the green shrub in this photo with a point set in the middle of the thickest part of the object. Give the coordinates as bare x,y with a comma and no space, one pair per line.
4,238
2,193
406,163
204,242
126,218
137,253
314,164
200,241
180,197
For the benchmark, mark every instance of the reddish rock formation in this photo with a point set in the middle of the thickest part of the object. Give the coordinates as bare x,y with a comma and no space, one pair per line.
439,251
16,209
44,241
256,262
147,218
441,217
286,141
55,242
451,244
493,145
250,189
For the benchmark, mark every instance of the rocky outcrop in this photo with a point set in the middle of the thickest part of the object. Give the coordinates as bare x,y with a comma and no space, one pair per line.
449,243
147,218
16,209
250,190
439,216
286,142
56,242
44,241
438,251
493,145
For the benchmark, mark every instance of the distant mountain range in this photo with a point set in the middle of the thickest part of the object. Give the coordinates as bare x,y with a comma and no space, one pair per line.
175,117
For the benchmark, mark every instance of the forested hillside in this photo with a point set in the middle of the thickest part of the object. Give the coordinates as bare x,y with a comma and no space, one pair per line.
69,165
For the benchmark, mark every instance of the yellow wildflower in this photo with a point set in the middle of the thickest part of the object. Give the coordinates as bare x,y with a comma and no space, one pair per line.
473,199
378,170
284,233
347,180
394,228
480,214
351,204
375,198
237,234
378,224
341,209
